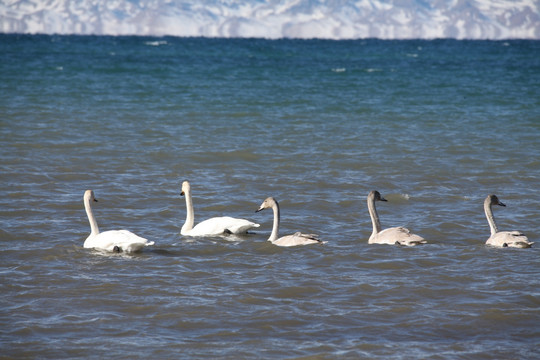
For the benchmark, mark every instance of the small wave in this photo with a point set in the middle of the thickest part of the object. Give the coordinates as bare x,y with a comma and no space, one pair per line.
156,43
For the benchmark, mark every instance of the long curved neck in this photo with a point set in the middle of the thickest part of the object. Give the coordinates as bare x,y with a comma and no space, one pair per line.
94,229
374,216
490,218
190,216
275,227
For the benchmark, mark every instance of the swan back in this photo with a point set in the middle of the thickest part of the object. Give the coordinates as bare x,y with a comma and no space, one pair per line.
222,225
397,236
117,241
509,239
296,239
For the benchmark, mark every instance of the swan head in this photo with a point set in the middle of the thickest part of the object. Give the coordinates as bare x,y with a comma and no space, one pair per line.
494,200
89,196
269,202
186,188
376,196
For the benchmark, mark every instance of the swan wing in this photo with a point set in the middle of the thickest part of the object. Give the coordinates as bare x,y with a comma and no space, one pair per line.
509,239
117,240
132,242
296,239
397,236
240,226
221,225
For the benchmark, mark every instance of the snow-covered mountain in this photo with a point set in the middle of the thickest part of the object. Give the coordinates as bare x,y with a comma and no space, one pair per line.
333,19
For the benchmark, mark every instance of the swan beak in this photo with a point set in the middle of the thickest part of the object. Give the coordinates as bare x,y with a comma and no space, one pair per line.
383,199
259,209
95,200
501,204
182,193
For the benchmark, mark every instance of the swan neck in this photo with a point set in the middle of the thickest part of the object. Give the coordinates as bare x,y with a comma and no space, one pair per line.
275,227
94,229
374,216
190,216
490,217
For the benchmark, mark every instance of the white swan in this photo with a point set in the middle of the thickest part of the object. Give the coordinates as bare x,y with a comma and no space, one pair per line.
214,226
502,238
297,238
113,240
393,236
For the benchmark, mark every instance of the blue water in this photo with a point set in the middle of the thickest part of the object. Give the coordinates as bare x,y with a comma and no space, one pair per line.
435,126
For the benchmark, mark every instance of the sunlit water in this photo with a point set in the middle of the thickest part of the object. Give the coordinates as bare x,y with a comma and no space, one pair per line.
435,126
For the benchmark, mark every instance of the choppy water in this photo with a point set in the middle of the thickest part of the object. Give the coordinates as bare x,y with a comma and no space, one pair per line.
435,126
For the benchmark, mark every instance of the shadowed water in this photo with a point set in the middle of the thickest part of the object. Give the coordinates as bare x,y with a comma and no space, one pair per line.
435,126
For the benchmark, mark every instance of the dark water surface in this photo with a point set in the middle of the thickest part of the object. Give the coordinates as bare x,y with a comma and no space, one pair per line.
435,126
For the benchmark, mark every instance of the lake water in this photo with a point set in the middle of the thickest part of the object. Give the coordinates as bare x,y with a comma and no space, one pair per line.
435,126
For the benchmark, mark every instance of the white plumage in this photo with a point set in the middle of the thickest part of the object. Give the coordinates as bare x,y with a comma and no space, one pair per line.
392,236
113,240
297,238
502,238
213,226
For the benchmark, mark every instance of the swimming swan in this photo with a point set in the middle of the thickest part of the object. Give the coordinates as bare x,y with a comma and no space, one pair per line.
393,236
214,226
297,238
502,238
113,240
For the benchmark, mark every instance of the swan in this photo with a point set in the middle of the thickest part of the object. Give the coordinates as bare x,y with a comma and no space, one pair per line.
297,238
502,238
113,240
213,226
394,235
